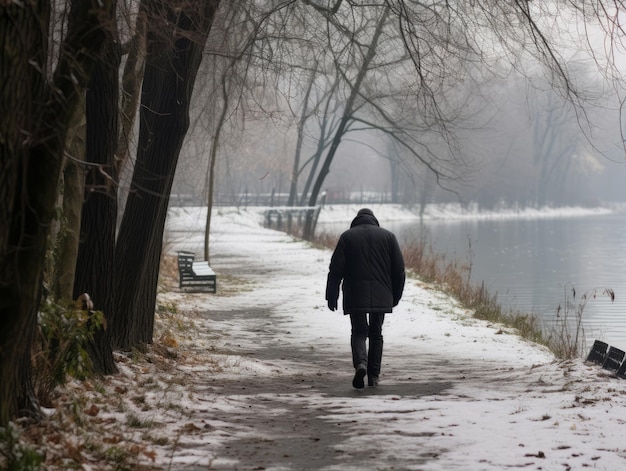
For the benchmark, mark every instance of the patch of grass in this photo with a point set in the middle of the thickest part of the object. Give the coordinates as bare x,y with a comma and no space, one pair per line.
117,455
230,285
566,335
168,308
168,270
139,400
159,441
17,455
134,421
149,381
174,407
99,388
453,278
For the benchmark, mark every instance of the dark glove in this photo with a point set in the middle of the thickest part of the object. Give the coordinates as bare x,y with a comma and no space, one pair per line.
332,290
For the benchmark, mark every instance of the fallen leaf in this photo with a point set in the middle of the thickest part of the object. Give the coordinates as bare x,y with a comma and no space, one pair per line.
93,410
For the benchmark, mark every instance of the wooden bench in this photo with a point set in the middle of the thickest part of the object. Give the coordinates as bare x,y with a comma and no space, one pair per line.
614,359
598,352
195,274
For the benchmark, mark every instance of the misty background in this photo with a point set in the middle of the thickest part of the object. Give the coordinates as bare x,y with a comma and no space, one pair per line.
504,136
502,105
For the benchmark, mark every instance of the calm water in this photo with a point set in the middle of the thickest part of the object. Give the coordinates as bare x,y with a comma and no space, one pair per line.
533,264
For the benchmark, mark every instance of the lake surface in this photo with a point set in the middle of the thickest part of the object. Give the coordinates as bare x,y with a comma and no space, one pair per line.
536,265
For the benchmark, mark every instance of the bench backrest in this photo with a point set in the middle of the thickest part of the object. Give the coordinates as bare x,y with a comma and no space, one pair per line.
185,261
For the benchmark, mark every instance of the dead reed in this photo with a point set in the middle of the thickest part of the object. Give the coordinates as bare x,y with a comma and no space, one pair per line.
454,278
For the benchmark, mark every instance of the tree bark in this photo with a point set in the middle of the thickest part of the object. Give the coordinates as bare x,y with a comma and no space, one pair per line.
73,193
210,179
132,77
309,226
295,171
34,124
21,258
94,266
170,73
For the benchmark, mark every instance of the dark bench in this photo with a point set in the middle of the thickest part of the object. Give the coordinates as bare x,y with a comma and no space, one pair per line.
610,358
598,352
614,359
195,274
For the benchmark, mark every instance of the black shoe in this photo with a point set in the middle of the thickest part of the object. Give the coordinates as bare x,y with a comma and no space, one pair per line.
372,381
358,382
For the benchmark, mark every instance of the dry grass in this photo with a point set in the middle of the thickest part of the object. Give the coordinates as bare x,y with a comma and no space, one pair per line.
168,272
453,278
117,422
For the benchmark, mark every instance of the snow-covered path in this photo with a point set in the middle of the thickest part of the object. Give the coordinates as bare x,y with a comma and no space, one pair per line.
455,392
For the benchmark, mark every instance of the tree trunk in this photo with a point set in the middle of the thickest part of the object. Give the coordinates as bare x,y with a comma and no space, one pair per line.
211,170
95,267
309,226
395,179
169,77
34,124
131,87
295,171
325,130
73,193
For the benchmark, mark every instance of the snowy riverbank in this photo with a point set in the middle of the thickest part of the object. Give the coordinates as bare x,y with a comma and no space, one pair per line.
456,393
180,218
395,212
258,376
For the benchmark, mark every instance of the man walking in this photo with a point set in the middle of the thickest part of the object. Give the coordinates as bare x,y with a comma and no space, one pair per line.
369,261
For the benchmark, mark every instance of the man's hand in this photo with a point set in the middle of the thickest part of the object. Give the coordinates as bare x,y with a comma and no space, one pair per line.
332,305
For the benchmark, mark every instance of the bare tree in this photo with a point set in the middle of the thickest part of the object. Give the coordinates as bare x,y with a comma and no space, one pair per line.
304,116
68,235
94,264
369,51
37,113
556,139
228,71
451,48
176,38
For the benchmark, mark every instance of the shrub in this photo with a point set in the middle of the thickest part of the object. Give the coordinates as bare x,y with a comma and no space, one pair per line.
65,333
566,338
17,456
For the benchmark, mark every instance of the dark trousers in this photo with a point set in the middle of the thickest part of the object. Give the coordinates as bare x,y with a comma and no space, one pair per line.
361,330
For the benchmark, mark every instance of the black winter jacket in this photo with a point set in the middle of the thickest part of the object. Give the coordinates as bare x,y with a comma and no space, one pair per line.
369,261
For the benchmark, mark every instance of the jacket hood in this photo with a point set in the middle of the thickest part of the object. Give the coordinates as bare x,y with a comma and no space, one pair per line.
364,216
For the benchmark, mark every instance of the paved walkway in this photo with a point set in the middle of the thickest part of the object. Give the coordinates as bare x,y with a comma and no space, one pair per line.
455,394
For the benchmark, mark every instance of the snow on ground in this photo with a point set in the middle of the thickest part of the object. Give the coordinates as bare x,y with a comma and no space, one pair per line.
396,212
258,376
455,392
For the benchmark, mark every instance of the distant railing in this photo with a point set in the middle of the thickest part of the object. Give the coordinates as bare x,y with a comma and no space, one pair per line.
285,218
274,199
